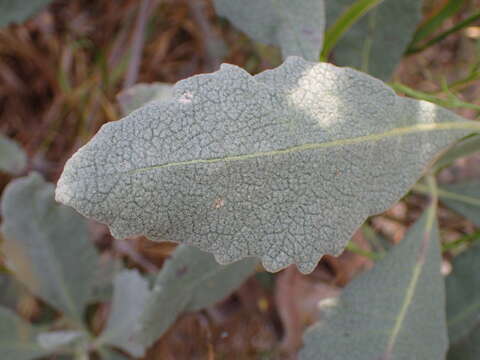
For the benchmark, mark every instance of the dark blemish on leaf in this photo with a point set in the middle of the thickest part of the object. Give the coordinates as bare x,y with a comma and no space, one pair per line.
182,271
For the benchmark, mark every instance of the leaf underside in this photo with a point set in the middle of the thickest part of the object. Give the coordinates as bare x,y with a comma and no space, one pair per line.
394,311
284,165
377,42
296,26
191,280
47,245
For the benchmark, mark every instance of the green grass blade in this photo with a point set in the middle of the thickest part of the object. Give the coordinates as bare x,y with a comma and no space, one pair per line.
345,22
461,25
432,24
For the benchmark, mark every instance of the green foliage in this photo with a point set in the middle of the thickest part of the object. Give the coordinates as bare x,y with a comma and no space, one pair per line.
284,166
58,271
191,280
464,198
15,11
296,26
130,297
376,42
141,94
394,311
463,306
18,338
13,159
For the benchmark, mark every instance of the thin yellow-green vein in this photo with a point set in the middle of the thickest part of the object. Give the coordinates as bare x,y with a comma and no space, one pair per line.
467,125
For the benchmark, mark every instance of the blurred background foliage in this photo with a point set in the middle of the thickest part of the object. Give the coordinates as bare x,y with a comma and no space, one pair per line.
61,73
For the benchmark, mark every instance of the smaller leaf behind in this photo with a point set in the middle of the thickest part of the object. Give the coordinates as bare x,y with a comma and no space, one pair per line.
376,43
141,94
189,281
296,26
463,306
464,198
382,313
15,11
129,298
18,338
47,245
13,159
466,147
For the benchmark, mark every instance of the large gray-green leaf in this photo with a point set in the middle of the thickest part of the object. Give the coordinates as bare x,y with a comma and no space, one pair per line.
12,157
47,245
129,298
394,311
189,281
18,339
296,26
141,94
15,11
464,198
463,306
285,165
376,43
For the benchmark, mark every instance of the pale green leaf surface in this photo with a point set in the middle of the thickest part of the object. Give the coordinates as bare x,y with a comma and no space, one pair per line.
296,26
463,198
59,339
12,157
395,311
141,94
108,354
284,166
469,146
463,301
9,291
47,245
468,348
191,280
130,295
376,43
18,338
16,11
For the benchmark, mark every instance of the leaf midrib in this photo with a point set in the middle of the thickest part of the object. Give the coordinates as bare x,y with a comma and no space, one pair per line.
466,125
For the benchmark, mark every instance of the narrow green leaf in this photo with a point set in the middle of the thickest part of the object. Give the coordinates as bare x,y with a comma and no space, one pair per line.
191,280
284,165
47,245
394,311
296,26
457,27
463,306
464,198
376,43
15,11
466,147
433,23
352,14
13,159
129,299
18,339
141,94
